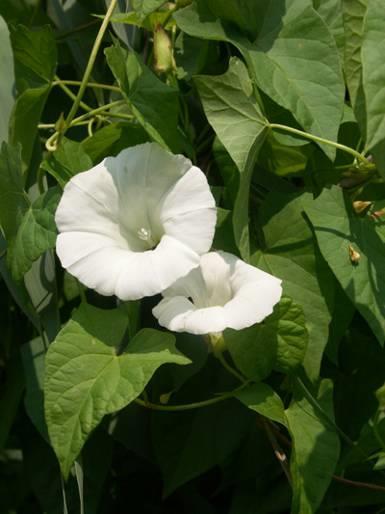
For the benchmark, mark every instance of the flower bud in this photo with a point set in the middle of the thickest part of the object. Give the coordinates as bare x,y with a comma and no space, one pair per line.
163,53
354,255
361,207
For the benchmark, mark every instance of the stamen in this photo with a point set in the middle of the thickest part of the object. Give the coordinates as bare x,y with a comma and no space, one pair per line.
144,234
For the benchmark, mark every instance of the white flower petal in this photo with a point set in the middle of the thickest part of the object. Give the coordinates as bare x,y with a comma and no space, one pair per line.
171,312
111,222
253,303
190,200
149,273
226,293
180,315
143,175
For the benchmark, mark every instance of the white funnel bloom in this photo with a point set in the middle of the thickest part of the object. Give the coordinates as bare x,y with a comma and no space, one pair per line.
224,292
135,223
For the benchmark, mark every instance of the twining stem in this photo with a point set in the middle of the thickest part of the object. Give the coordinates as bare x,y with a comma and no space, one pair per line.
96,85
278,452
89,67
326,417
343,480
80,120
321,140
190,406
226,365
69,93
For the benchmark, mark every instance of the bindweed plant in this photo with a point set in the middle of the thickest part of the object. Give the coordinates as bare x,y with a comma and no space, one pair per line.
192,206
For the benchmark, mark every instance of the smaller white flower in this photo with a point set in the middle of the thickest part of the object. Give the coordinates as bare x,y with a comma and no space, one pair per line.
224,292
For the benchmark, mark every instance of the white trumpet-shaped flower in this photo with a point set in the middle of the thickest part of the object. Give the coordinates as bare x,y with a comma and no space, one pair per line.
134,224
224,292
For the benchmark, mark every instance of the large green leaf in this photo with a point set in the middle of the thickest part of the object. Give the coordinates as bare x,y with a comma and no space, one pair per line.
263,399
331,12
35,62
69,159
294,60
373,72
353,13
289,326
236,117
86,378
113,138
315,447
7,80
280,342
289,253
33,357
13,200
339,230
36,233
154,104
145,7
253,349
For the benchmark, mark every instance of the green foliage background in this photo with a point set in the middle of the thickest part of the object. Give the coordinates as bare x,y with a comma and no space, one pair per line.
281,103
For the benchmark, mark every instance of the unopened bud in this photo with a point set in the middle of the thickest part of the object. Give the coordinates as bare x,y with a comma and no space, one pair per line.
361,207
377,214
354,255
60,123
163,55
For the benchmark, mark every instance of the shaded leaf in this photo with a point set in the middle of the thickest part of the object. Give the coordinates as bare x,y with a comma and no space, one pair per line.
291,333
290,254
188,444
263,399
13,199
7,80
373,72
69,159
35,235
294,60
33,356
316,448
353,13
35,62
113,138
154,104
236,117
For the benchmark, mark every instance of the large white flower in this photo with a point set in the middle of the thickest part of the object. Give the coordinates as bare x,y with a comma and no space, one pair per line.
224,292
135,223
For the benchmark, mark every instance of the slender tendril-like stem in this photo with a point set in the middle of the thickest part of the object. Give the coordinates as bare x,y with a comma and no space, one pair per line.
353,483
190,406
326,417
278,452
226,365
51,142
321,140
69,93
90,65
96,85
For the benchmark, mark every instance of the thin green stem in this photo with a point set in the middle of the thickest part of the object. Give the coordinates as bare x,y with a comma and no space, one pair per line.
97,85
321,140
51,143
190,406
230,369
98,110
319,408
376,431
90,65
69,93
